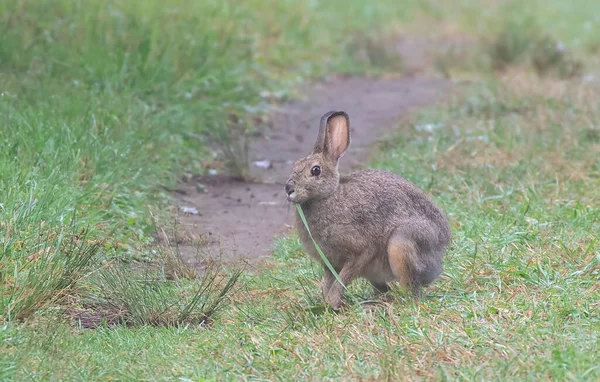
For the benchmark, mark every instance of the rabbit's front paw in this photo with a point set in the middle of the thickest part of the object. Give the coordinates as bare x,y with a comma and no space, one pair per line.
334,296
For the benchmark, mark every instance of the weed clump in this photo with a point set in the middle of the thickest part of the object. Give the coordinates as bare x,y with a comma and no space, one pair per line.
373,53
156,296
523,43
511,46
45,277
552,57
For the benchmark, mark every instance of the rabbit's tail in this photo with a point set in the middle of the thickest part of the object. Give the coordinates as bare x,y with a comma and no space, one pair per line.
412,263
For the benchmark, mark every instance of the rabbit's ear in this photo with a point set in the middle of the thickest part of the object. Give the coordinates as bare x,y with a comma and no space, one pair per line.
337,135
320,142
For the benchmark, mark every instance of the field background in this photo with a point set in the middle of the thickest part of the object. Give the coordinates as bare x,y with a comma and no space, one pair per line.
105,105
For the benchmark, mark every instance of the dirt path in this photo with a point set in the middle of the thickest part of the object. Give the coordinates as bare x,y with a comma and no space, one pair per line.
237,219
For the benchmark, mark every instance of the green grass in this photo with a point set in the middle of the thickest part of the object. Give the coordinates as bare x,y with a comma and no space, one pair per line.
514,160
102,103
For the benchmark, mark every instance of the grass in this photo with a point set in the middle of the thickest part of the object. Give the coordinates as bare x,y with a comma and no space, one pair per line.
153,297
514,160
103,104
511,168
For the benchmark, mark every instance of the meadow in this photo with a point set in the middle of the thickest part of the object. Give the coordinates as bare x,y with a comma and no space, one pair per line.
105,105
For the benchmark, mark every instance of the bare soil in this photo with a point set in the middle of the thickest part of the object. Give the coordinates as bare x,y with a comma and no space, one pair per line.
240,219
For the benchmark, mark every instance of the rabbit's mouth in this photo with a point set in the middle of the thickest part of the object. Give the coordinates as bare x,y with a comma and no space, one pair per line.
291,196
290,190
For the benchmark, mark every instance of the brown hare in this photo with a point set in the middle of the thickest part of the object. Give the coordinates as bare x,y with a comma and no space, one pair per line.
372,224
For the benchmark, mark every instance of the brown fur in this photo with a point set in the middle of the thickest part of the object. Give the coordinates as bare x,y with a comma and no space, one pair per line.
401,255
372,224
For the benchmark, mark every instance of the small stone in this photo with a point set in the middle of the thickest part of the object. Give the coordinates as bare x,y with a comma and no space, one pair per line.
189,210
262,163
429,127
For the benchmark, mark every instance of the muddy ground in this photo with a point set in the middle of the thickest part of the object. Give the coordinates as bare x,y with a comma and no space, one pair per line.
238,219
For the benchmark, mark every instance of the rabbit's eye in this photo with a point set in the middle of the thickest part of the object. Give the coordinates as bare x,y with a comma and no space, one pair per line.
316,170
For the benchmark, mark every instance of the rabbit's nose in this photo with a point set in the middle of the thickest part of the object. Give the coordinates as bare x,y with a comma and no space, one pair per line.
289,186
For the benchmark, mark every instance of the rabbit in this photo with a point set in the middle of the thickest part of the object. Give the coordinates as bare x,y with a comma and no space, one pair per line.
372,224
